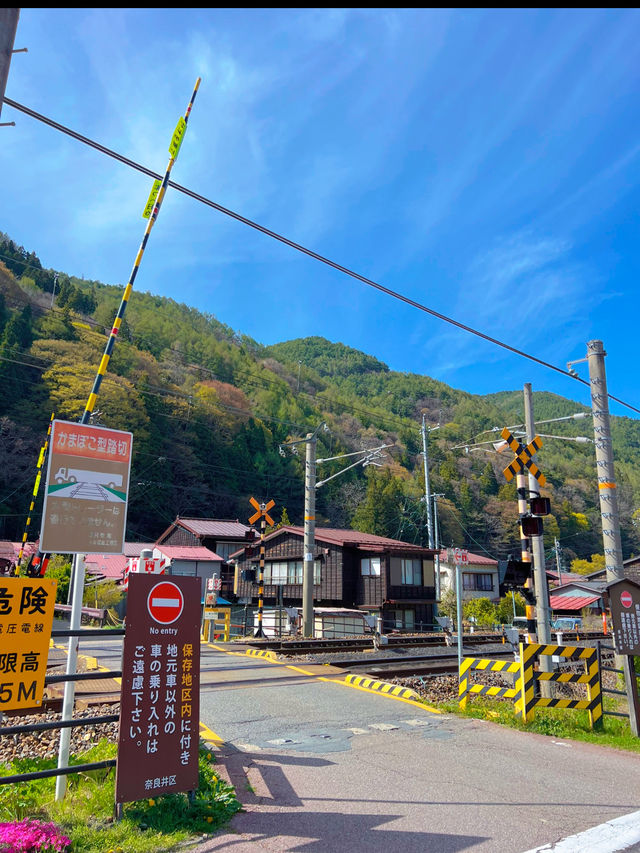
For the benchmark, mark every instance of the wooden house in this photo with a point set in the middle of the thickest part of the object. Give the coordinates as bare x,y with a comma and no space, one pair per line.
352,569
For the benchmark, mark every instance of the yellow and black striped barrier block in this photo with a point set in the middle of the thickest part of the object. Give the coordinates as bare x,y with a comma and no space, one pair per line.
593,702
486,665
262,653
382,687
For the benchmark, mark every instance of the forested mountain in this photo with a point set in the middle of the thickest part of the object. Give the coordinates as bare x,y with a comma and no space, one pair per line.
209,408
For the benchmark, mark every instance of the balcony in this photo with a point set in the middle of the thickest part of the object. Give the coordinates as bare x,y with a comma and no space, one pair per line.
404,592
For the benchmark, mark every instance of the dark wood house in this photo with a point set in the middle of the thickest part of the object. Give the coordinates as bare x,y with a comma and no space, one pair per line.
352,569
222,536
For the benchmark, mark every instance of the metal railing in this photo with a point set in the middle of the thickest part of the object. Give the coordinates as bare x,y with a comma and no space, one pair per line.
66,724
599,647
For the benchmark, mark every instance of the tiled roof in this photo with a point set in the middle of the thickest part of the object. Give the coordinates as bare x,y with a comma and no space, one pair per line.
474,559
214,527
338,536
107,565
567,602
197,553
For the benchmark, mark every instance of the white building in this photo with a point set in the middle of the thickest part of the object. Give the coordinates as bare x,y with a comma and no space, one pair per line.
479,575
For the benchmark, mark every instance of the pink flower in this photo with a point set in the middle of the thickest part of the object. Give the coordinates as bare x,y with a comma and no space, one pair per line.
32,836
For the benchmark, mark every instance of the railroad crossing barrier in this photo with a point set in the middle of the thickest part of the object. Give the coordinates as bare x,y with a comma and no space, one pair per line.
524,693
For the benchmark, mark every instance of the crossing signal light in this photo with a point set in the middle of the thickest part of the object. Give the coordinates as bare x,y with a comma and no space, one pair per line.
540,506
531,525
513,574
248,575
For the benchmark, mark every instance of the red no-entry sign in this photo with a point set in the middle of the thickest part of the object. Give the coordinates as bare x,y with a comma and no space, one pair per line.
626,599
165,602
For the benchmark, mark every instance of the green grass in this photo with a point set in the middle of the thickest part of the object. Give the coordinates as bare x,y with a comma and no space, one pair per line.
86,813
556,722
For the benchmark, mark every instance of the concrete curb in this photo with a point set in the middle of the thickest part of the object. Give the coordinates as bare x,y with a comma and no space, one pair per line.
383,687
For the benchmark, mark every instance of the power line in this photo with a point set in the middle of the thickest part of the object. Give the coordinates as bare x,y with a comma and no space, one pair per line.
303,249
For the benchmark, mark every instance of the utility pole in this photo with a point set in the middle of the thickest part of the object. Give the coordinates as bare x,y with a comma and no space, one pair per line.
436,560
367,457
8,28
604,462
556,547
427,489
539,568
309,534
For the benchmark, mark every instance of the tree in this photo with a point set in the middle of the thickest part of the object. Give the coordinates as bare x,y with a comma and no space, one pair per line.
504,609
585,567
59,569
480,611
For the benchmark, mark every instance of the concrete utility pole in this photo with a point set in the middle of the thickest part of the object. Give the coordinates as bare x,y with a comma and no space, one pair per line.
8,28
537,543
436,559
604,462
309,534
427,489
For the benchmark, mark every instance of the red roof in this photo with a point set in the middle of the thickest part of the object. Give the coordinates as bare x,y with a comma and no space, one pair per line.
214,527
338,536
572,602
113,565
107,565
197,553
474,559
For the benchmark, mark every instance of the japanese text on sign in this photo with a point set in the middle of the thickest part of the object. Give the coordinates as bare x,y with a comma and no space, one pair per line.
26,617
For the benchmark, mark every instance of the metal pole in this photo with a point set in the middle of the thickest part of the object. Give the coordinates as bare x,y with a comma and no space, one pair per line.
437,547
459,610
541,586
8,28
70,686
427,489
309,535
604,462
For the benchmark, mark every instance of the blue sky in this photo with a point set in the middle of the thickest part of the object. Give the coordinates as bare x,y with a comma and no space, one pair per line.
483,163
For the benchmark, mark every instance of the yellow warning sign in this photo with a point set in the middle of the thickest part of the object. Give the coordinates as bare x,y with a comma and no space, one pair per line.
26,617
176,140
153,195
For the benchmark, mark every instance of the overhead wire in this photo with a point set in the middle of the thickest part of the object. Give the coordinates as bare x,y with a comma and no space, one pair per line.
300,248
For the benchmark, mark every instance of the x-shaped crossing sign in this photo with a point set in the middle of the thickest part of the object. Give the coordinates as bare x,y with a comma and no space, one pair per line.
262,511
524,457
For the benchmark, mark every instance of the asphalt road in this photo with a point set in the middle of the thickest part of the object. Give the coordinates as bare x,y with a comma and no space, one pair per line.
323,767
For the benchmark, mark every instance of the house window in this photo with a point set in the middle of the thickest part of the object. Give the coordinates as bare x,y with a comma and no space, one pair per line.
474,581
370,566
291,572
403,619
223,549
411,572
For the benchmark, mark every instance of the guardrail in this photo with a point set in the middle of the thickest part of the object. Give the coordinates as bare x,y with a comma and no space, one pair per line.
524,691
66,724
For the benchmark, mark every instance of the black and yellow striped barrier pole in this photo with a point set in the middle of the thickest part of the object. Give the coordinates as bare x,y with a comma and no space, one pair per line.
151,212
34,494
262,513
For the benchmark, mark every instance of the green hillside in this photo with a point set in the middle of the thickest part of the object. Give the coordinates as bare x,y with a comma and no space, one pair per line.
209,408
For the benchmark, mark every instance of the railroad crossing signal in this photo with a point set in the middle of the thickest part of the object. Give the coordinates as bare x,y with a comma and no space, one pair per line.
262,511
524,457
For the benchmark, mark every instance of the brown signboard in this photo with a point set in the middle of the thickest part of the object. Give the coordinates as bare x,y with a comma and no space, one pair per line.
26,616
85,497
160,701
624,601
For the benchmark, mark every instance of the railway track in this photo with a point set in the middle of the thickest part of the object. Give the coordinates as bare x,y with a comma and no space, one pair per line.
353,644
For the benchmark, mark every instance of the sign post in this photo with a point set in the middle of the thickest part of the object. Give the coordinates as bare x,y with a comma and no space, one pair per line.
624,601
159,711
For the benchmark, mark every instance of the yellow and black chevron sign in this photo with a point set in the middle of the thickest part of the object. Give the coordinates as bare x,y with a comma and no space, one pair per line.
524,457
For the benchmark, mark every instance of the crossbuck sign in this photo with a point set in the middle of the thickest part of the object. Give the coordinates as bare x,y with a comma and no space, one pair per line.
524,458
